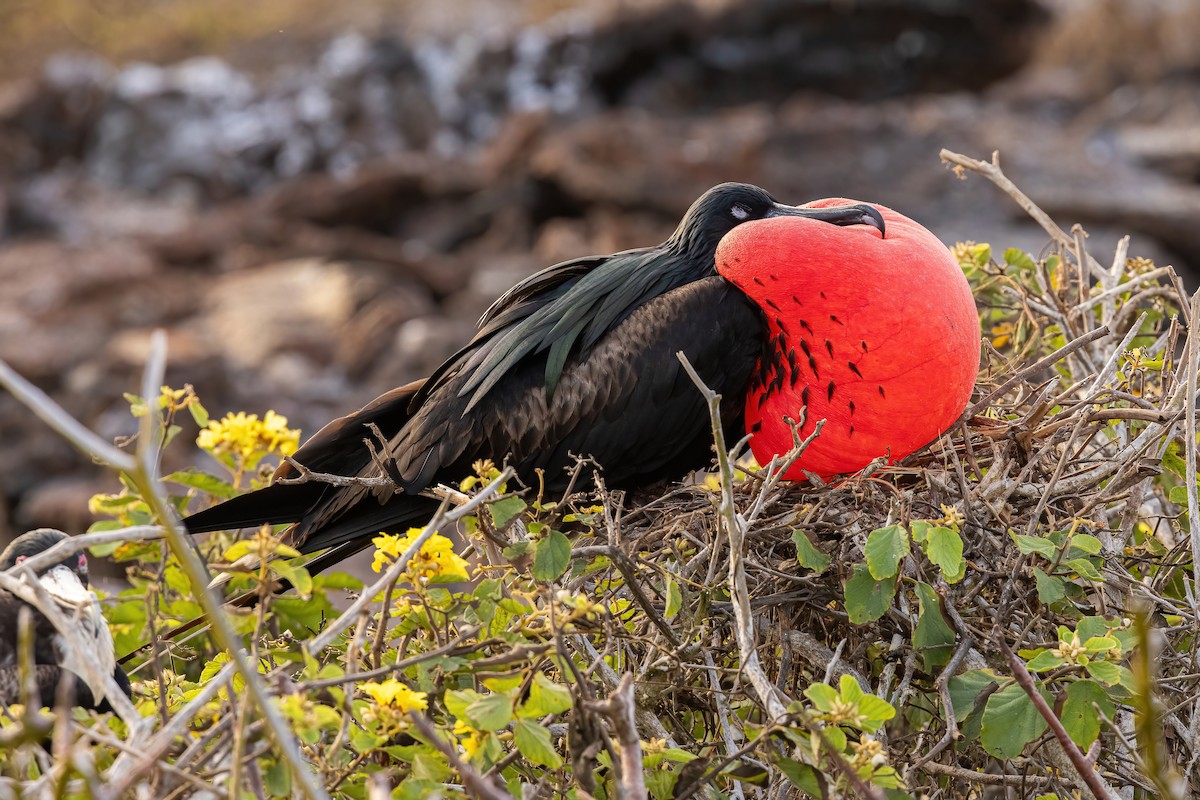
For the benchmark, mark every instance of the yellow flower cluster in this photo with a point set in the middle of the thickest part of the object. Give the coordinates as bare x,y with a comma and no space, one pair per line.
472,740
396,695
435,559
241,440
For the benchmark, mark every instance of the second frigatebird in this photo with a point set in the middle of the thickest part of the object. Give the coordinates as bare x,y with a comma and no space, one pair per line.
55,659
577,360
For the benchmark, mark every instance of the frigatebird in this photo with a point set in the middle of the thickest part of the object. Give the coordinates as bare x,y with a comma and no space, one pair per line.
55,660
576,360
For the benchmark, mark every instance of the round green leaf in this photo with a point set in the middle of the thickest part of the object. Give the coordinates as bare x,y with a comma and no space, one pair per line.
533,742
1010,721
552,557
1079,715
884,550
866,598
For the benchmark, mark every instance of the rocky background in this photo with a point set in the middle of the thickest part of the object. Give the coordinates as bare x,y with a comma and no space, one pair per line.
317,211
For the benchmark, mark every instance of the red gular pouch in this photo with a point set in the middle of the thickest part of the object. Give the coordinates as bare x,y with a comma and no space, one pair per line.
877,334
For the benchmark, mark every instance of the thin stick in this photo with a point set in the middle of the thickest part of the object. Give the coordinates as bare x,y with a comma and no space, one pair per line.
996,175
440,520
73,544
1087,772
1040,364
146,479
619,709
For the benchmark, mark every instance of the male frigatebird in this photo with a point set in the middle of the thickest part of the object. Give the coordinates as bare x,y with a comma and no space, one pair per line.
55,659
577,360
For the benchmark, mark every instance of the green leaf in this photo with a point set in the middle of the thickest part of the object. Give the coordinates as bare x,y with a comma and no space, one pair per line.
457,700
552,557
933,638
822,696
807,553
430,765
1086,569
876,710
199,413
1014,257
1049,589
1172,461
490,712
545,697
504,509
202,481
1010,721
1105,671
1045,660
885,548
1100,644
1079,715
966,688
802,776
533,742
1094,625
834,736
1034,544
849,689
674,599
296,575
944,547
866,598
1086,543
277,778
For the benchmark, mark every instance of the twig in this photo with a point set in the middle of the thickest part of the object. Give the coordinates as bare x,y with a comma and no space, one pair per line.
1035,367
996,175
619,709
1087,772
73,544
735,530
123,775
441,519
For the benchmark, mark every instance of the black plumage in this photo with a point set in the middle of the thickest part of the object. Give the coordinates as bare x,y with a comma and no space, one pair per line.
578,359
56,662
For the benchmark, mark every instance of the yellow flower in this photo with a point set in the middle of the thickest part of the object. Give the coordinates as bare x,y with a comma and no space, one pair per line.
241,440
472,740
1002,334
395,694
435,559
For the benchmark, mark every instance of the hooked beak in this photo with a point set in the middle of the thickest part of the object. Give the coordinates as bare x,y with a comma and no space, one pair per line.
857,214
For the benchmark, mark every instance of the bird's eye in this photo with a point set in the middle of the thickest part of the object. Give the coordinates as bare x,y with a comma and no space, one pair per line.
739,212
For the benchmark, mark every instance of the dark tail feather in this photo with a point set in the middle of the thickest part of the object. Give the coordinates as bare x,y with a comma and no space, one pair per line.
276,504
360,523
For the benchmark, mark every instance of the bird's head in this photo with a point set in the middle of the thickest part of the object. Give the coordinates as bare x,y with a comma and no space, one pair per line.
725,206
38,541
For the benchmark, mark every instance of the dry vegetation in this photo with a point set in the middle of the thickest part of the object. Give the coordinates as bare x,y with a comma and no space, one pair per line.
1012,612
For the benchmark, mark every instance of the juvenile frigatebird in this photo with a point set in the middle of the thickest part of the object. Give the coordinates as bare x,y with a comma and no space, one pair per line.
55,659
576,360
